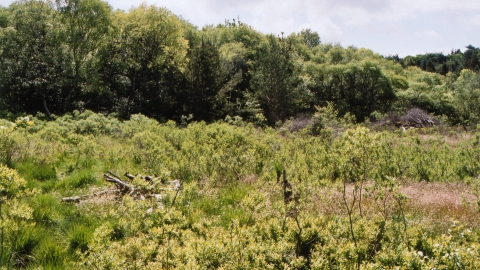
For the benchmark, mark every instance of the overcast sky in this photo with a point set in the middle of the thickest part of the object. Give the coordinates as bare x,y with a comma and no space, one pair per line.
403,27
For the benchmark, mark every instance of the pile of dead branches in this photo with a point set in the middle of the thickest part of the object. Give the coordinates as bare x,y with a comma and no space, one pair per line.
414,118
124,187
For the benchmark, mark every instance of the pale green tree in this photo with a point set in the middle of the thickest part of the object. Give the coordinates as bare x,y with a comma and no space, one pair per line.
143,62
467,98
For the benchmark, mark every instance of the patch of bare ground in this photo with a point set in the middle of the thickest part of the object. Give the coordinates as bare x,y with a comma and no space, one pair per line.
435,204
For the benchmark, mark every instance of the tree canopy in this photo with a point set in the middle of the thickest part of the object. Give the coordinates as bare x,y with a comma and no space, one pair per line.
65,55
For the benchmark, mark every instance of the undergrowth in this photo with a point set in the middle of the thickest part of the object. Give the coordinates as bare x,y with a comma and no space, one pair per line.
339,205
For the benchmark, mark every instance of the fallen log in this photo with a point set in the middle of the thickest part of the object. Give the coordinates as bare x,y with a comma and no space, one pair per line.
123,188
115,179
176,184
114,175
77,199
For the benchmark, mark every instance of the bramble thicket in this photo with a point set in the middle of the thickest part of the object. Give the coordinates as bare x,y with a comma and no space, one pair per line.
135,140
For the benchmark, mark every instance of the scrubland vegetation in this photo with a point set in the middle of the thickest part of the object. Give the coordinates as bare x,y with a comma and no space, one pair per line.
343,197
285,147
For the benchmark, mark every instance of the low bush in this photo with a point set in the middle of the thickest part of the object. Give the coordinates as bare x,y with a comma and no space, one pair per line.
339,203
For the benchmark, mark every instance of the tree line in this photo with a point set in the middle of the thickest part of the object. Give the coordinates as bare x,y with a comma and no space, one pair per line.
65,55
454,62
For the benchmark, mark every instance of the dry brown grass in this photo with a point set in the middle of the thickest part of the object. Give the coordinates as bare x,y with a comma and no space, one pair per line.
436,204
440,203
452,139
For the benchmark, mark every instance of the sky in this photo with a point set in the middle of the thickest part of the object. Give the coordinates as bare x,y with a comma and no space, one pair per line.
387,27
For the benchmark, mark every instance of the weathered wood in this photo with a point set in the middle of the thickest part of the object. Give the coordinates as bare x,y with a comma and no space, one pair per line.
176,184
417,118
127,188
114,175
100,193
129,176
116,180
75,199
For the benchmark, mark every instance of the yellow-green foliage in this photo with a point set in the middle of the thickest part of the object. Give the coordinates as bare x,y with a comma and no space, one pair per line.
166,238
15,215
230,211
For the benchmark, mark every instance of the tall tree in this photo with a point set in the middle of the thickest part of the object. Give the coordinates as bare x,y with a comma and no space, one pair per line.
276,80
471,58
467,98
143,63
33,62
356,87
86,24
238,44
366,89
310,38
205,79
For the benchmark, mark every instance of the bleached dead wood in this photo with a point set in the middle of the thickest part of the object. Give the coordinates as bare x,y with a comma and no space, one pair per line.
417,118
109,177
129,176
77,199
123,187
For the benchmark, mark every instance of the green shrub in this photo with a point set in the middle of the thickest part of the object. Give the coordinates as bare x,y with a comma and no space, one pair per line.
16,218
230,211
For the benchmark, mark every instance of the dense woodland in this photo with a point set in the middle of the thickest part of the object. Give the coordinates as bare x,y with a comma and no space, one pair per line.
135,140
61,56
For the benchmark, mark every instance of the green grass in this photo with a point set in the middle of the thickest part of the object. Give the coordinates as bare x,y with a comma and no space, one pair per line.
78,180
51,255
229,189
45,209
39,176
224,205
78,237
23,246
32,171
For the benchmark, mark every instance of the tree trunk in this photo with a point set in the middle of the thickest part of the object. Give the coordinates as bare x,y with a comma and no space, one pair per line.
45,107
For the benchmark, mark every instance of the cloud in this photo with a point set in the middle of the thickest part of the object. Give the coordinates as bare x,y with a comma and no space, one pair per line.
388,26
432,34
475,21
427,34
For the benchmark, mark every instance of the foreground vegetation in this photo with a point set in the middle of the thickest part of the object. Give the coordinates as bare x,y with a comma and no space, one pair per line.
286,171
330,196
